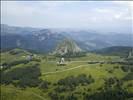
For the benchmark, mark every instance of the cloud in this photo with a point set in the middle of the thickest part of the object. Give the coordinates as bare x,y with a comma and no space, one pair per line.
101,15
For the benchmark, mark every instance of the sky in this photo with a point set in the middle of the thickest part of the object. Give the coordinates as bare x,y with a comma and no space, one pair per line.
103,16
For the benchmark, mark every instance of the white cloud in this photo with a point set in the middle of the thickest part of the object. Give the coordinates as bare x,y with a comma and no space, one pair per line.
67,14
101,10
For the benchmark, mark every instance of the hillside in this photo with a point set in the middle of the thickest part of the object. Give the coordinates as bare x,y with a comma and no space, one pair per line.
115,50
81,78
12,93
67,47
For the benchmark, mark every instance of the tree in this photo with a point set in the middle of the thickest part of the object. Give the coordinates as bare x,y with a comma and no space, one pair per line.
44,85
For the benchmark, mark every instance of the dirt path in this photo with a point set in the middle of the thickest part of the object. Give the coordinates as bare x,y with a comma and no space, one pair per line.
64,70
70,68
41,98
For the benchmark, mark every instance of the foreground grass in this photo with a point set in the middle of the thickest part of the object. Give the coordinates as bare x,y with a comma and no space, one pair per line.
98,71
10,92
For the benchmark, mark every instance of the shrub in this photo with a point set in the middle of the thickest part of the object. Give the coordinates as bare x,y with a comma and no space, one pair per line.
53,96
116,67
70,83
128,77
125,68
71,97
113,94
26,76
17,62
44,85
131,69
110,71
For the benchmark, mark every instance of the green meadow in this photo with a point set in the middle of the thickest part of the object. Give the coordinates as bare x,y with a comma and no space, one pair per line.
51,73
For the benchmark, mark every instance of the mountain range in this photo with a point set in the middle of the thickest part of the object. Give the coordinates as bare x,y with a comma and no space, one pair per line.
46,40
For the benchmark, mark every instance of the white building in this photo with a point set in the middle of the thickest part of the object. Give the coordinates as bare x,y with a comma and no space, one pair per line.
61,62
29,57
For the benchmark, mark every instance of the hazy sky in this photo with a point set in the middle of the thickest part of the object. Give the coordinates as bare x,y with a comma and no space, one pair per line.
110,16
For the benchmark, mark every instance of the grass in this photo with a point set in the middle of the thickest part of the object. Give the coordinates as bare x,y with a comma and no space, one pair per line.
129,89
97,71
8,57
47,66
96,57
18,94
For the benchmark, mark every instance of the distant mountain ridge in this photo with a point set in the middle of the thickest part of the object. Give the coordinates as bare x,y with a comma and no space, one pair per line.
38,40
46,40
93,40
6,29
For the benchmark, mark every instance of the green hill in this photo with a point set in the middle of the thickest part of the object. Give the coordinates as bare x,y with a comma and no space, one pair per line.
12,93
68,47
82,78
115,50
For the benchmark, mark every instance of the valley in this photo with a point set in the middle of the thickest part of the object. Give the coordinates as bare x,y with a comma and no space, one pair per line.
92,73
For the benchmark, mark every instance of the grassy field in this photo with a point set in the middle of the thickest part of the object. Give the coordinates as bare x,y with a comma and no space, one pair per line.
12,93
75,67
